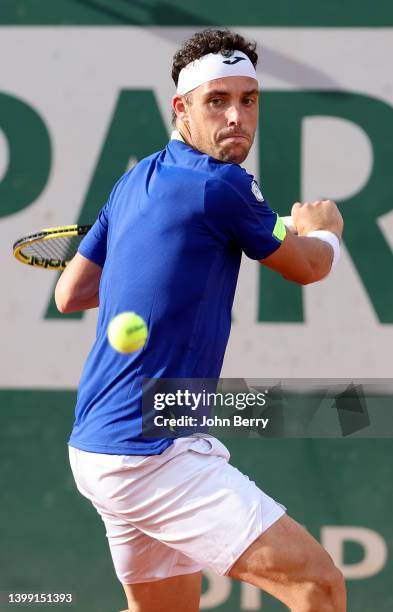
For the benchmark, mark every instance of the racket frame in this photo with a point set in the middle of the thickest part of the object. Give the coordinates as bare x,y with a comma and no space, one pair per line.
50,233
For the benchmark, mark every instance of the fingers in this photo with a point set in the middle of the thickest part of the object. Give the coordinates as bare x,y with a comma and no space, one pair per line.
314,204
319,214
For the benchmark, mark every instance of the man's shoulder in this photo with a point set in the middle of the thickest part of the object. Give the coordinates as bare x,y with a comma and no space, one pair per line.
136,166
233,174
233,179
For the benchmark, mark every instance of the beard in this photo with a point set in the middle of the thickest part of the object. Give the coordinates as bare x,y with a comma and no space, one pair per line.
222,149
233,152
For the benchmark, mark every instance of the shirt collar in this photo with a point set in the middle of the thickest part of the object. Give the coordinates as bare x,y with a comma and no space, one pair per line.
175,135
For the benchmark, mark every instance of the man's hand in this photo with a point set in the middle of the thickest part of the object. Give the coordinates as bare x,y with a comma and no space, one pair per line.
304,259
318,215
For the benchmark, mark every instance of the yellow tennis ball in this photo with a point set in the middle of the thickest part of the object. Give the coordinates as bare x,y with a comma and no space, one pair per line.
127,332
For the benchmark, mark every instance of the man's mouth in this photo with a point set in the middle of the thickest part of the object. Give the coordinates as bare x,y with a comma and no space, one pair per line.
234,137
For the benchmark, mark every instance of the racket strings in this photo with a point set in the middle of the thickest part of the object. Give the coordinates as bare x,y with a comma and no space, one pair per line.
58,248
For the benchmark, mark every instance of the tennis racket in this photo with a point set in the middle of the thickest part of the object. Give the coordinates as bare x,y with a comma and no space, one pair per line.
50,248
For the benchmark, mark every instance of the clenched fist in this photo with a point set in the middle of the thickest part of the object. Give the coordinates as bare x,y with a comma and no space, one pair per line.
318,215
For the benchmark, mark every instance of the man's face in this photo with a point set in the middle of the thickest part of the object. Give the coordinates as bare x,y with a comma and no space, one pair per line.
221,117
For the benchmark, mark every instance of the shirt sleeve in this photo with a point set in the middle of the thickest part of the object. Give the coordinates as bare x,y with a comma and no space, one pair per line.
93,246
237,212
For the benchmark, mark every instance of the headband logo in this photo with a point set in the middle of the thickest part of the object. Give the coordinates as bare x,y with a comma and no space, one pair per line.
235,60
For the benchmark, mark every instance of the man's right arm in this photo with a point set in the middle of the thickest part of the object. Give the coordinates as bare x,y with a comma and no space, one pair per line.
78,286
305,259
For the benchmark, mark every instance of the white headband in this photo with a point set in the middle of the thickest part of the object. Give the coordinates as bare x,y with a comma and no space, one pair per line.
214,66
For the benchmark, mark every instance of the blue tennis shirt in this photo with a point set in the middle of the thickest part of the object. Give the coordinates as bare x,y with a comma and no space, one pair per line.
169,240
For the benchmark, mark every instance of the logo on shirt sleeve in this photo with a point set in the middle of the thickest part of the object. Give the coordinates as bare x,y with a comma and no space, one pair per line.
256,191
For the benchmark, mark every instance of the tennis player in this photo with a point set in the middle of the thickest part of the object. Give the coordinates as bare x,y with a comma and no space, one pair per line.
168,245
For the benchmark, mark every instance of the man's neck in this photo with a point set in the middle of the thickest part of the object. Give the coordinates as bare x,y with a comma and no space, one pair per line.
184,133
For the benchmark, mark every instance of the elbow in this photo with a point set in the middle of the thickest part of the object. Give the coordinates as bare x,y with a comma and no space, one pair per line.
309,275
313,276
319,267
62,301
62,306
303,280
309,280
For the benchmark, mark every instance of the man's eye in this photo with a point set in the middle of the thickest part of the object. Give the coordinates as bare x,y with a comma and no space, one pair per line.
215,101
248,101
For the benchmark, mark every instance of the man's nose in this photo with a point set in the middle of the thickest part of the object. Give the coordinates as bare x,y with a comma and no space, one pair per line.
233,115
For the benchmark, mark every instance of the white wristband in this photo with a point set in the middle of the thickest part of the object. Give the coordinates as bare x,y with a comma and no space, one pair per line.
331,239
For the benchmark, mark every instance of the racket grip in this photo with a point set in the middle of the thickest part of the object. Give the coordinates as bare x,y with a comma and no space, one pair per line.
288,221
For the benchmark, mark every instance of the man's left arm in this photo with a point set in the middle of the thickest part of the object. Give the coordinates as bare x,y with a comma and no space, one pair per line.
237,211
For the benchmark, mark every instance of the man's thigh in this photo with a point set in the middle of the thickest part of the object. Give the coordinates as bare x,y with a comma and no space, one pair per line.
285,560
175,594
187,501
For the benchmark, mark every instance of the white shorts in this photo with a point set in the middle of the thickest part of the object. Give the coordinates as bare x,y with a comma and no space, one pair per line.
174,513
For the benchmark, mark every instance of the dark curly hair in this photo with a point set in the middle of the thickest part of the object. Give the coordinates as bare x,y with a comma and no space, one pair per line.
211,41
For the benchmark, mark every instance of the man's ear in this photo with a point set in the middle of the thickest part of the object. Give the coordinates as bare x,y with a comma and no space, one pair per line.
179,108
